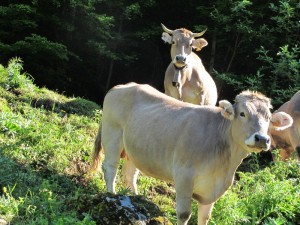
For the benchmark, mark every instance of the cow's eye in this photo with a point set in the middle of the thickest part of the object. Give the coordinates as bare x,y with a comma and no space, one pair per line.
242,114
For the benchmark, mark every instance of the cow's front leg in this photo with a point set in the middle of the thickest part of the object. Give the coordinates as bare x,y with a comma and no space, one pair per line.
204,212
179,88
184,191
285,154
202,99
183,209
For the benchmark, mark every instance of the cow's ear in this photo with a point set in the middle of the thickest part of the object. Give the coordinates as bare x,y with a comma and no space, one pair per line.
166,37
227,109
280,121
199,43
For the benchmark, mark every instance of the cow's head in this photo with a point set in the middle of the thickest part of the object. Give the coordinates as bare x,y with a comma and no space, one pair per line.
250,118
183,41
279,138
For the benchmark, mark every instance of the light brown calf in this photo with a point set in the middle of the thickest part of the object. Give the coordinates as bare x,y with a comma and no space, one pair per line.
197,147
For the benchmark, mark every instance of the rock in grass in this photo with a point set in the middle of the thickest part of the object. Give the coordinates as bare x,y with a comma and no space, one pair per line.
121,209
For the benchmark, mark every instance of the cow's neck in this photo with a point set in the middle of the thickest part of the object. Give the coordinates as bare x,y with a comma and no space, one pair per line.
211,187
179,68
238,153
235,157
226,173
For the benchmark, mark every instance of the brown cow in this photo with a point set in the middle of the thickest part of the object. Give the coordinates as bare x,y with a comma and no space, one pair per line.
288,140
197,147
186,78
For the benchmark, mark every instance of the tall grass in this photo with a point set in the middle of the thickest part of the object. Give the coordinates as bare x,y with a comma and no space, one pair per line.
44,151
46,141
270,196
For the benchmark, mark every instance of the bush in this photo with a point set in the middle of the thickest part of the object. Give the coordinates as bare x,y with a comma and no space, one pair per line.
270,196
12,78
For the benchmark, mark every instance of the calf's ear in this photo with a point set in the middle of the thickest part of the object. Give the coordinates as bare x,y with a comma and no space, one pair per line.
166,37
199,43
280,121
227,109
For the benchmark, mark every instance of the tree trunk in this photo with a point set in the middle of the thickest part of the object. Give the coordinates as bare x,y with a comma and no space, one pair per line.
213,52
112,61
236,45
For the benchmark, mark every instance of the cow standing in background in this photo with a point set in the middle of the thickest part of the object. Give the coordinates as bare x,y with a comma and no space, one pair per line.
186,78
288,140
197,147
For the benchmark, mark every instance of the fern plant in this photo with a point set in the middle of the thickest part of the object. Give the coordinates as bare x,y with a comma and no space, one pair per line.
278,77
12,77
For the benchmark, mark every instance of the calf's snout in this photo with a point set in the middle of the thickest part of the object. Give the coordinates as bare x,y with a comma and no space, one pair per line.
258,140
262,141
180,59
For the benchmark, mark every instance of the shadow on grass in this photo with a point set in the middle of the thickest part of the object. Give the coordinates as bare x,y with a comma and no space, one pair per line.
43,196
77,106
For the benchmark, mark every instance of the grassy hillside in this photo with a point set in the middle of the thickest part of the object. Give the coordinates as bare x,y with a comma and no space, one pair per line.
46,142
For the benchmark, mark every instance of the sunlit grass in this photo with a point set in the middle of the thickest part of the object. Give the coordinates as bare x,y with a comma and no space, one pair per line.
46,140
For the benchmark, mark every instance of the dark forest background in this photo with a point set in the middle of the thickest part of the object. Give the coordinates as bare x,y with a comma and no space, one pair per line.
84,47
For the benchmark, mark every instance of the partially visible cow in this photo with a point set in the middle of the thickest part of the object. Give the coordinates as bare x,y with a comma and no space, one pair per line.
186,78
197,147
288,140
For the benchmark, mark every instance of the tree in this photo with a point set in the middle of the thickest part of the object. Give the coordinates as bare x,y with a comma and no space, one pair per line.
85,47
252,35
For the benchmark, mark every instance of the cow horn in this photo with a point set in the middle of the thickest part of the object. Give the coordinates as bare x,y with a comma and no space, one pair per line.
199,34
166,29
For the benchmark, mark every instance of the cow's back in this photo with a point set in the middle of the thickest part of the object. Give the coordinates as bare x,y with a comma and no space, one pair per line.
118,102
121,101
292,107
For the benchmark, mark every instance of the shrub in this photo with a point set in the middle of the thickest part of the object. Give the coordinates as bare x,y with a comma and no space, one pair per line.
12,78
270,196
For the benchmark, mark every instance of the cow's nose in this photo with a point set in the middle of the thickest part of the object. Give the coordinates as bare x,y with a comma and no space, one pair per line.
262,141
180,58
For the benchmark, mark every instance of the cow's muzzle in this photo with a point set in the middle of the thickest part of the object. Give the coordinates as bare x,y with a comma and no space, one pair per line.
180,59
259,141
262,141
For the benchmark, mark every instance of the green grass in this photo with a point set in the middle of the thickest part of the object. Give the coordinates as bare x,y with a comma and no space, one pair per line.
46,140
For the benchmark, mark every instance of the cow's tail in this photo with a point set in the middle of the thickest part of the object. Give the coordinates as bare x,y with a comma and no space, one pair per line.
96,158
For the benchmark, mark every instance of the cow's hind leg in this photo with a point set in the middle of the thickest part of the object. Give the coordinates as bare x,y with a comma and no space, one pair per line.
112,146
130,174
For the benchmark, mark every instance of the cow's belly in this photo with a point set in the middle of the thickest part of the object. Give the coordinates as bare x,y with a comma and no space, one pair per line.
148,155
151,169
